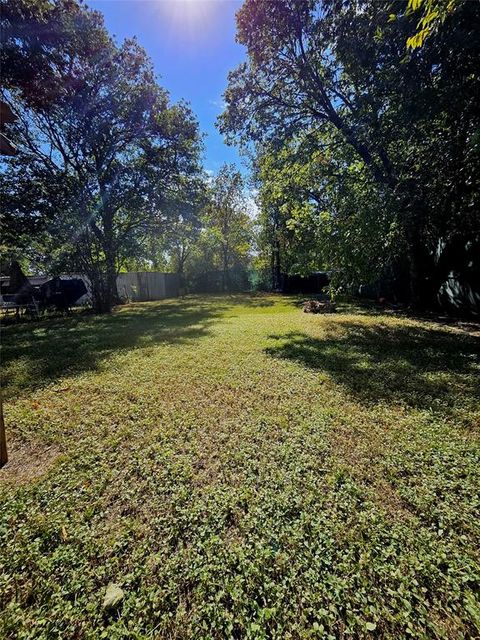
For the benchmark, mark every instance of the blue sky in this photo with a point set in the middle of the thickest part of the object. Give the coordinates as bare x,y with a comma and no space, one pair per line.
192,46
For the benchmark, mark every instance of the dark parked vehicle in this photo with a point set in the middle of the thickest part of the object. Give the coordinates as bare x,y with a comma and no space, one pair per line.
19,295
61,294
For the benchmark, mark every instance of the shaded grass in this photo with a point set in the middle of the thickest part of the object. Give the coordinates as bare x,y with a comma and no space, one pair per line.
243,470
417,366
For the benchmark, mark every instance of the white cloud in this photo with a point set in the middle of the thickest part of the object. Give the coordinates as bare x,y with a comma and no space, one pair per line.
219,104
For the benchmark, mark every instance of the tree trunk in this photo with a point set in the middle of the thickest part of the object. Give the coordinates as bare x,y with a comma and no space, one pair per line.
276,266
103,279
111,278
101,299
225,279
181,275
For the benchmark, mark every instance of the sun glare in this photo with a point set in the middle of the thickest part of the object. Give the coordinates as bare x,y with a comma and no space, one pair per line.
190,19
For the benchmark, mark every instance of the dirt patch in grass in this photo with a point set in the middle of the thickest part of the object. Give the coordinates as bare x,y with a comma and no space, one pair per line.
28,462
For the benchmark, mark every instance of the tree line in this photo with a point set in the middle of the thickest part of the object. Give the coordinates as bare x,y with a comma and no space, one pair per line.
363,123
108,173
360,120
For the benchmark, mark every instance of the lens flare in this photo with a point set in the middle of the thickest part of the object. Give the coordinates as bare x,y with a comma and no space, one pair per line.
191,20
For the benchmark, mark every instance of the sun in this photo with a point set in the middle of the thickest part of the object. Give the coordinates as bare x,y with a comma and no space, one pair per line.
188,17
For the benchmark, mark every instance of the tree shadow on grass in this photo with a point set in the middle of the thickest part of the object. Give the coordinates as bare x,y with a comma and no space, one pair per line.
38,353
411,365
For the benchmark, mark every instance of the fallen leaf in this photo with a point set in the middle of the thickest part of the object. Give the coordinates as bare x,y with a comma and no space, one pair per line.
113,596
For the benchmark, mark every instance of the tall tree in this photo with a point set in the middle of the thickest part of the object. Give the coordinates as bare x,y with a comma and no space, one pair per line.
321,210
107,131
226,219
324,67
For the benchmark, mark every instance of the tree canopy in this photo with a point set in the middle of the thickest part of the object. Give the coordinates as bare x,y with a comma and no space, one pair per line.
103,152
384,139
360,118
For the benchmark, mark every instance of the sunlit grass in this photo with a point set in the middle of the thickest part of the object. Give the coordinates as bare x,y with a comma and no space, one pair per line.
242,470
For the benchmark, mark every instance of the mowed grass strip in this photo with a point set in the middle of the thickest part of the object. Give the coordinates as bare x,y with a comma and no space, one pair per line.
241,470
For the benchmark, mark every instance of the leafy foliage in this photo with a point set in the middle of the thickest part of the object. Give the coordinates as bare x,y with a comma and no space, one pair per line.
330,83
108,134
433,14
212,251
227,222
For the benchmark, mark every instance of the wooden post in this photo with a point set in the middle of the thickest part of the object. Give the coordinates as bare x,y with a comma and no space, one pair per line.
7,149
3,437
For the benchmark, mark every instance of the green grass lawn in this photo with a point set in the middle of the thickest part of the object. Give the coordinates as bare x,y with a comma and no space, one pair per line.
241,470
